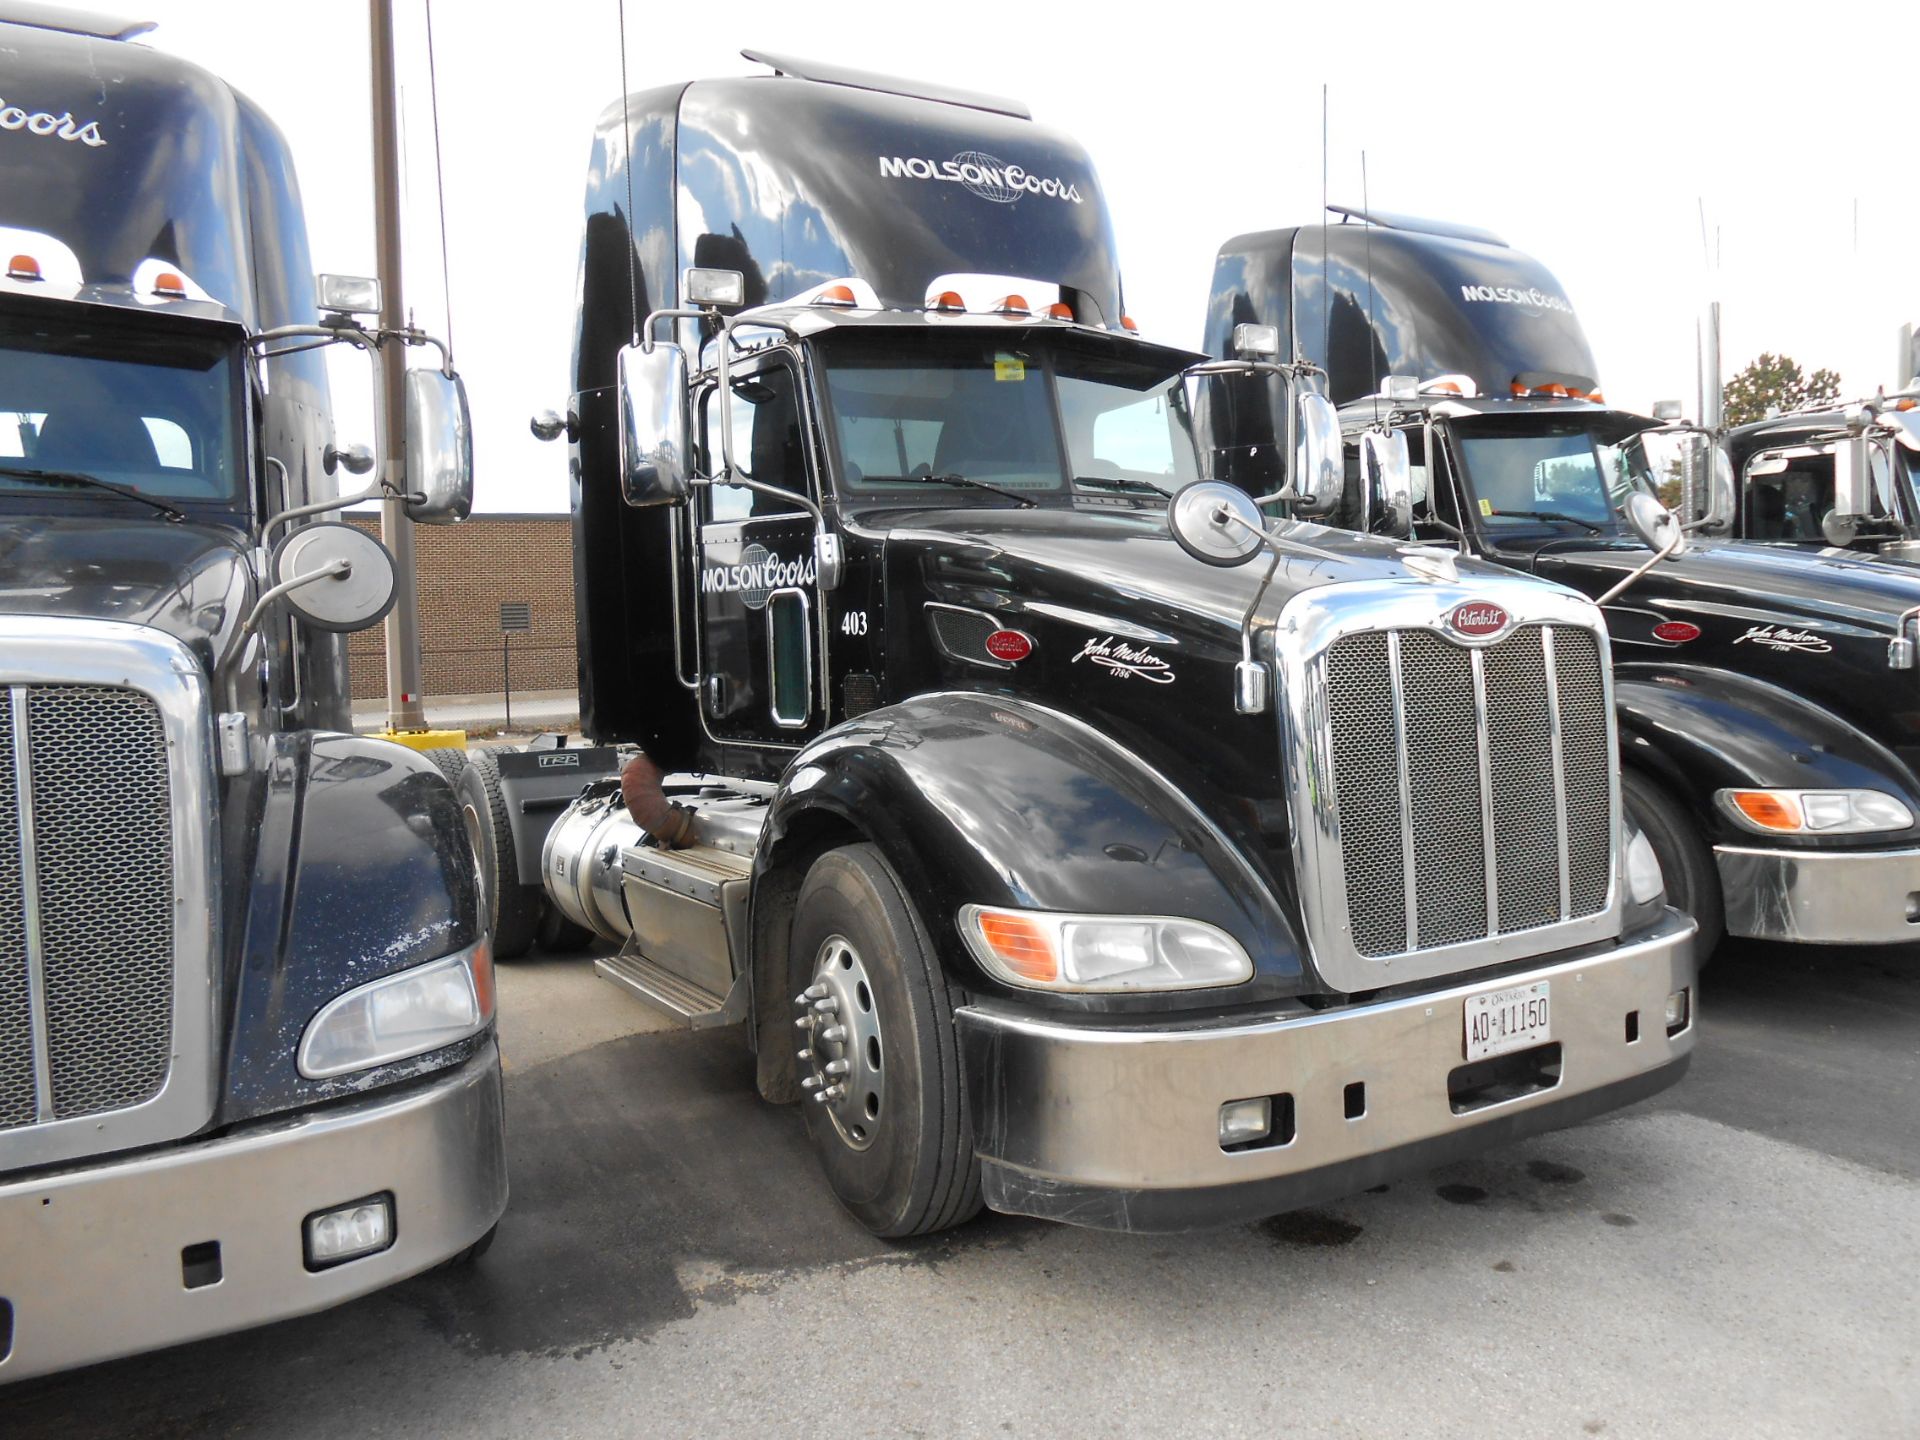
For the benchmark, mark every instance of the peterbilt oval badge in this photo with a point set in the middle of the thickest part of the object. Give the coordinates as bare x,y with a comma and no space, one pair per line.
1477,619
1009,646
1676,632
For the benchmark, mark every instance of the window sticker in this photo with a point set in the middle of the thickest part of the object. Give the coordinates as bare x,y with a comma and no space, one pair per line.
1009,367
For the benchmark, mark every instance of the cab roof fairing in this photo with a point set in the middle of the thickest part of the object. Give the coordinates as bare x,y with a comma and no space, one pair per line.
811,321
1395,301
175,177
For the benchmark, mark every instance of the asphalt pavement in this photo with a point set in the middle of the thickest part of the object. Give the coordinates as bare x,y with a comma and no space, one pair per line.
1738,1257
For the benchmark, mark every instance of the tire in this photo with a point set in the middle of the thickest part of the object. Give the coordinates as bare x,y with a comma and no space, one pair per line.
450,760
474,1251
904,1166
557,935
512,909
1686,864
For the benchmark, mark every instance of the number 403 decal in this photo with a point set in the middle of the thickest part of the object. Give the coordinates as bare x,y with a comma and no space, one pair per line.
854,622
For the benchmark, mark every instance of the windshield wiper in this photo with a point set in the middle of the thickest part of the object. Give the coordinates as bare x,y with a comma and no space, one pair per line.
80,477
963,481
1588,525
1121,482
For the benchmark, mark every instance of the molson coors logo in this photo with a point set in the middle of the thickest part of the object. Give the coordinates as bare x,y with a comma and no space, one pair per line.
1510,295
49,125
985,175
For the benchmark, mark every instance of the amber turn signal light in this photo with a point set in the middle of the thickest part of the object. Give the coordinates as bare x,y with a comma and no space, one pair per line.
1766,809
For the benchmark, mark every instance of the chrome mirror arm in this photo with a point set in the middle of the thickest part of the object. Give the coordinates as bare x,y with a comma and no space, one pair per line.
1667,552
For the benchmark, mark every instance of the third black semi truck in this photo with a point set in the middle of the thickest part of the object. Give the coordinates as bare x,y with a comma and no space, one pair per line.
1066,837
1769,730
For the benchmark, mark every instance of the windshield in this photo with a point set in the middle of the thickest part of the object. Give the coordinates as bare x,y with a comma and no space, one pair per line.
151,413
1017,414
1559,476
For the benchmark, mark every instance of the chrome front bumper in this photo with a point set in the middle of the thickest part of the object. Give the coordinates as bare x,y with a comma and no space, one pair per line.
1118,1127
1821,897
91,1262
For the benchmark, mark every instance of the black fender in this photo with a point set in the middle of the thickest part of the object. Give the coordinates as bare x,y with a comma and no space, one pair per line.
997,801
1696,730
361,867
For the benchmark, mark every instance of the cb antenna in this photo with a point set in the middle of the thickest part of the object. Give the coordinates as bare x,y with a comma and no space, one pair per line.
1373,332
626,150
1326,298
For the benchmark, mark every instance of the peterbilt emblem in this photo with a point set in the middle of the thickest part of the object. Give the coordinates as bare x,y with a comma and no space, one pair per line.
1676,632
1477,620
1010,646
47,124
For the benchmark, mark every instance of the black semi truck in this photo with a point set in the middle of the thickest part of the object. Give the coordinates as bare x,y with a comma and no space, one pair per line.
247,1065
1845,478
1769,746
1066,838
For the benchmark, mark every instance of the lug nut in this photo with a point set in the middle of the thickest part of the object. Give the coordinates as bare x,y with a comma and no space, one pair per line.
812,1082
803,1022
833,1092
826,1006
834,1034
819,1097
837,1068
803,1056
816,990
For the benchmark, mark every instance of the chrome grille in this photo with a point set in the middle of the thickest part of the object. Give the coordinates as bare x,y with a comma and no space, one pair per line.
18,1092
86,824
1472,785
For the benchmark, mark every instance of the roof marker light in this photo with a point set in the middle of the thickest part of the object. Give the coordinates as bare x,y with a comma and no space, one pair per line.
1060,310
948,302
1519,390
1012,305
169,286
1552,391
23,267
1596,397
839,296
1129,324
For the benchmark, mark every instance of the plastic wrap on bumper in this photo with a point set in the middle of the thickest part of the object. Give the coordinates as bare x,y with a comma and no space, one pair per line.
1821,897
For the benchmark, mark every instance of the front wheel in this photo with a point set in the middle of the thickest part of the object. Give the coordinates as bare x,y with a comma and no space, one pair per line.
1686,863
879,1057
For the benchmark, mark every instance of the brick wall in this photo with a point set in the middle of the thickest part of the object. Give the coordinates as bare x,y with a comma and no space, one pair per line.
466,571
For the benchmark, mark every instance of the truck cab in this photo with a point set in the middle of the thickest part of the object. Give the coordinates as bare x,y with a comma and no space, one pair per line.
1842,479
1065,837
1765,739
247,1065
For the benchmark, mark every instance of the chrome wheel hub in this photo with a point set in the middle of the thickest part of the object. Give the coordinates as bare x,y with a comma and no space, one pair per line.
842,1056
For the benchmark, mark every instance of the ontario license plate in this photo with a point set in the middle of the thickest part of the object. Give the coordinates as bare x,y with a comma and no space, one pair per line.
1503,1020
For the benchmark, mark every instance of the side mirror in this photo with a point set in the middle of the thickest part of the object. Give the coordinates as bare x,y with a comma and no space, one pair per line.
335,576
1318,471
439,448
656,423
1851,499
1706,483
1657,527
1386,478
1216,523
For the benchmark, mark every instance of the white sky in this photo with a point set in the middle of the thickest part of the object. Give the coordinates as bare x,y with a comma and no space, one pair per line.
1584,134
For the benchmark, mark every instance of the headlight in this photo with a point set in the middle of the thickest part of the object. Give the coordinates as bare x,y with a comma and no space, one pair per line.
1814,812
1645,883
1045,950
400,1015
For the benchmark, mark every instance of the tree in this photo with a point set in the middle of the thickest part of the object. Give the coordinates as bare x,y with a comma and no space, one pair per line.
1774,384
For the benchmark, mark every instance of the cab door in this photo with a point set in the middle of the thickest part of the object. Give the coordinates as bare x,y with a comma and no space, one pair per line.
757,593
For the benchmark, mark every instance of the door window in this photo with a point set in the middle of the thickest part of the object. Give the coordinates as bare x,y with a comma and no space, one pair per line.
768,445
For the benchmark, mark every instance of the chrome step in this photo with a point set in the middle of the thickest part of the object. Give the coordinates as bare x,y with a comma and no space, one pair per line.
698,1008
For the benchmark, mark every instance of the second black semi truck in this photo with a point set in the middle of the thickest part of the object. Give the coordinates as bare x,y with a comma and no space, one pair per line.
1068,840
1769,730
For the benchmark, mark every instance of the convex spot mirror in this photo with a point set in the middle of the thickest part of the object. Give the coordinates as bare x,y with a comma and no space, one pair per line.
439,448
656,423
1318,467
1210,520
1657,527
1386,478
348,576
